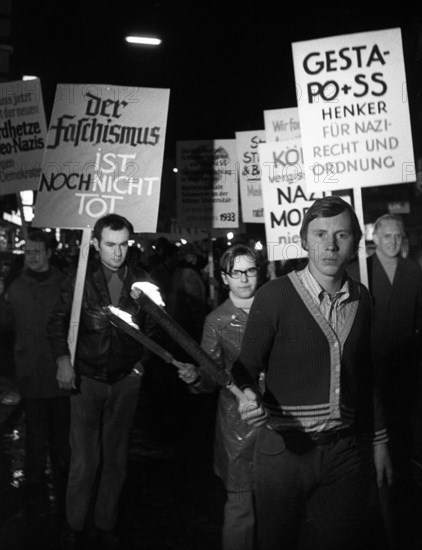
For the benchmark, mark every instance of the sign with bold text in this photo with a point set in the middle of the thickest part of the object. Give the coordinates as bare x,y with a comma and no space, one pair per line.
354,111
104,155
285,198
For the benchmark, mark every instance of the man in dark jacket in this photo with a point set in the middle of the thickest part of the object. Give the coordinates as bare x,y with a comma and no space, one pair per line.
395,284
106,377
25,308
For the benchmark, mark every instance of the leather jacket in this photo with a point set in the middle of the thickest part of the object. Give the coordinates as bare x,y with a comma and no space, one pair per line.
103,352
234,440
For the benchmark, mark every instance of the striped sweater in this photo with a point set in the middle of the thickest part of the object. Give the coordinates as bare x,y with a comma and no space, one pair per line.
315,379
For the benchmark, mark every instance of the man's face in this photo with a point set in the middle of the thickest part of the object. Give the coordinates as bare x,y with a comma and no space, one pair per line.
36,256
389,238
112,247
330,245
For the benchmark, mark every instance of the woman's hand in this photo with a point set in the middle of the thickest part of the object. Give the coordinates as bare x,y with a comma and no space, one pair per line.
187,372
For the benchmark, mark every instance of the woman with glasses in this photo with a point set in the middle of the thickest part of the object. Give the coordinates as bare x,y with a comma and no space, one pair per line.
234,439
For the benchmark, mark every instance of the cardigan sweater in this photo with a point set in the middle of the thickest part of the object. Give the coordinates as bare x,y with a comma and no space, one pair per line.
315,379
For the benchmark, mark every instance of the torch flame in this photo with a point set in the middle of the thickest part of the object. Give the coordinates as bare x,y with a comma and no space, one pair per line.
151,290
124,315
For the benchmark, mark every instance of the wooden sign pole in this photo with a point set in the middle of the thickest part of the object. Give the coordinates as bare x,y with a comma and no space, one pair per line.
78,293
211,272
363,269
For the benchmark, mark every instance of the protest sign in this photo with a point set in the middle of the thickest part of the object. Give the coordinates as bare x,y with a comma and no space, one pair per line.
23,131
207,184
284,196
281,124
250,175
104,155
353,110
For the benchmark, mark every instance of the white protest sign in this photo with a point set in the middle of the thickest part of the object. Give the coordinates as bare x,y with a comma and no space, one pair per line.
23,132
353,109
104,155
284,196
250,175
207,183
281,124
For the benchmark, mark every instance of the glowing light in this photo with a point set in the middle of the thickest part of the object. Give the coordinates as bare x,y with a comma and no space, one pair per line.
27,198
230,235
175,170
28,213
258,245
143,40
29,77
151,290
183,241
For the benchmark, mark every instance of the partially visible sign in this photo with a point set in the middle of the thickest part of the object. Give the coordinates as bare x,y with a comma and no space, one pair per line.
207,184
250,175
281,124
104,155
354,111
22,135
286,200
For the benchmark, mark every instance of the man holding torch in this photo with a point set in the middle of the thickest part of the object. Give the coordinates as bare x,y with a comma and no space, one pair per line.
309,332
105,378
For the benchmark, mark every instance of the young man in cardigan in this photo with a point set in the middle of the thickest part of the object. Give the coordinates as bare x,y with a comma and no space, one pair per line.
309,331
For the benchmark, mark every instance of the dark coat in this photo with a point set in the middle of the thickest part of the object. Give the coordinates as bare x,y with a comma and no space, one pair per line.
396,328
397,310
29,301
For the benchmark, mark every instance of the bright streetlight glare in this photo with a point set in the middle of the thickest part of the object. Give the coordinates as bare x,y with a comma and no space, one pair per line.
144,40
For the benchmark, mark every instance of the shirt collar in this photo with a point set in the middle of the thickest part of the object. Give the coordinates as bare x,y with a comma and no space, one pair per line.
121,272
316,290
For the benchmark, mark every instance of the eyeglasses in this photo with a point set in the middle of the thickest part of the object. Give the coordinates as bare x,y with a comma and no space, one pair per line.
237,273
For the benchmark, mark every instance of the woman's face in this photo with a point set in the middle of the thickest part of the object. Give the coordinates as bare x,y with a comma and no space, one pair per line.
244,286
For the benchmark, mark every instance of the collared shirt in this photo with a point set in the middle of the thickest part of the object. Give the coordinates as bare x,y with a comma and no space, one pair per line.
334,308
115,280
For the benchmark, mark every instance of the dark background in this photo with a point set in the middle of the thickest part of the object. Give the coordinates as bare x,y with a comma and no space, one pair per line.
224,62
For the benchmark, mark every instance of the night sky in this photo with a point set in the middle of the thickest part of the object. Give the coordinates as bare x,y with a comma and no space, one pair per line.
224,62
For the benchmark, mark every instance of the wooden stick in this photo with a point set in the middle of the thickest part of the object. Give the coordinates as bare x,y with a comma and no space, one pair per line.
78,293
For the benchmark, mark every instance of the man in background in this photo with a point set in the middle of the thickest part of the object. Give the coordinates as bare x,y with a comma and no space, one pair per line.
395,284
26,308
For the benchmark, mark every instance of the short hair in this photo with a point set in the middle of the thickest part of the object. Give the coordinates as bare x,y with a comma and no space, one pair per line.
229,256
328,207
40,236
389,217
112,221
